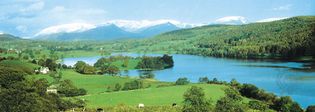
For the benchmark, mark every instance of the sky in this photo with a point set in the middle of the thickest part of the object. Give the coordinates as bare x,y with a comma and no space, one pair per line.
25,18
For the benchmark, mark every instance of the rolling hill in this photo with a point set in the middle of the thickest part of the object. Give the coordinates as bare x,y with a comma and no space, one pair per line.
8,37
286,38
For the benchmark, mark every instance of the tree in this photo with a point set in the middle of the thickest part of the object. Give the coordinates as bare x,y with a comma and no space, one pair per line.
84,68
249,90
101,62
234,83
258,105
136,84
168,60
88,69
21,95
203,80
232,102
310,108
67,88
285,104
79,66
117,87
182,81
214,81
195,101
10,76
51,64
41,86
110,69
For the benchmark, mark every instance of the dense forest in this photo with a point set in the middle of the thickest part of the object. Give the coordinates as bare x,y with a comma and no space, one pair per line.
286,38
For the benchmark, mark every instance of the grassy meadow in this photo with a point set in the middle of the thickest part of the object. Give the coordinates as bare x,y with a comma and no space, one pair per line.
96,86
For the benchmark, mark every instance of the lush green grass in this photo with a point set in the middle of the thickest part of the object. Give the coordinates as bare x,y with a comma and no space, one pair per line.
94,83
18,63
24,66
132,64
151,96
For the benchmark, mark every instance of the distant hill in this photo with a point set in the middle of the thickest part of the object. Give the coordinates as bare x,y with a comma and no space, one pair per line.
158,29
286,38
8,37
109,32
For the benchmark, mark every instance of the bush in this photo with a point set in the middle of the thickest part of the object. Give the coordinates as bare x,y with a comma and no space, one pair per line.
109,69
182,81
84,68
310,108
285,104
136,84
195,100
232,102
117,87
67,88
258,105
203,80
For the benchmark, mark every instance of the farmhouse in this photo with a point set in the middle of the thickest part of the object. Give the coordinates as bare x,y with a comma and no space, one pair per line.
42,70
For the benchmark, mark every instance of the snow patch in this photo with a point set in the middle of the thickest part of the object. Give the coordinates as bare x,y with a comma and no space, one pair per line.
66,28
231,20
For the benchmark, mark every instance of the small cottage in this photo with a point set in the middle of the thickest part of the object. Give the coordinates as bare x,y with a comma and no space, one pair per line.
42,70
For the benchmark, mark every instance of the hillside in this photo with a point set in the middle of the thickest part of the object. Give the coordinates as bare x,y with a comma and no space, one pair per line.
284,38
7,37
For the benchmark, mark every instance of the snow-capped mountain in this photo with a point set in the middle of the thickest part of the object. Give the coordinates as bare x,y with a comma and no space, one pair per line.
134,26
110,30
231,20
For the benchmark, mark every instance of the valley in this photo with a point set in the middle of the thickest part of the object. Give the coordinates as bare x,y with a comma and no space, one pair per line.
240,65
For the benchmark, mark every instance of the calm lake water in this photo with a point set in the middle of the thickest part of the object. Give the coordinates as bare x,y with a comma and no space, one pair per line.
277,77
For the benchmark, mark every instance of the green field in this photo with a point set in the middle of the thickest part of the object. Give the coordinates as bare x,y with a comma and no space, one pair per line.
24,66
151,96
96,86
18,63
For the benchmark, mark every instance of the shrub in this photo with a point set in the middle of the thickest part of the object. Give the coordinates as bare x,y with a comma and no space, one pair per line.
195,100
258,105
310,108
136,84
182,81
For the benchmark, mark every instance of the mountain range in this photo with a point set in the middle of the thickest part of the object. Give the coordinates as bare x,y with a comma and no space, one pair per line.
107,32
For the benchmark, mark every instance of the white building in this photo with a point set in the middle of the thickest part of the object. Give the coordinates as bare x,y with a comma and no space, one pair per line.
42,70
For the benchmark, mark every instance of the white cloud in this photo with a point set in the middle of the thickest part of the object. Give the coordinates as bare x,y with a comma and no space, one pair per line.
231,20
36,6
22,28
271,19
72,27
283,8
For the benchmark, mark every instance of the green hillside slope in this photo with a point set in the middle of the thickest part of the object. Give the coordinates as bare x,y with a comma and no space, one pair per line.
285,38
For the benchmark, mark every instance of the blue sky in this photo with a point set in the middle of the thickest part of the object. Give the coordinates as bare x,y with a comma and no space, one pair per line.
27,17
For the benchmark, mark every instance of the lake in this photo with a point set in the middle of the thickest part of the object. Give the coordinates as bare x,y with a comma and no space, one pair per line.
278,77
